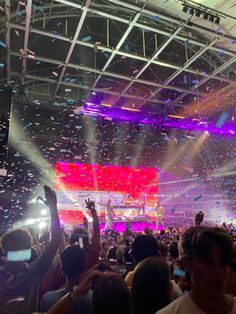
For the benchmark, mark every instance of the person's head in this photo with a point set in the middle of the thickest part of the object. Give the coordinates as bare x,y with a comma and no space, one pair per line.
73,262
111,255
111,295
173,250
144,246
103,267
206,254
79,236
16,240
120,253
151,287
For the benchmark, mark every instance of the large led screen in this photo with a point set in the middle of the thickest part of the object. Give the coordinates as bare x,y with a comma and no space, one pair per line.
131,191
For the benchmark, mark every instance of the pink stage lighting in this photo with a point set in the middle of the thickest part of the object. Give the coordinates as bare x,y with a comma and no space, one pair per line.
131,191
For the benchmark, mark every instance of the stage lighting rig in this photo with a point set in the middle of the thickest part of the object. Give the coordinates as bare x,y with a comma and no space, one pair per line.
185,9
217,21
201,12
198,13
205,16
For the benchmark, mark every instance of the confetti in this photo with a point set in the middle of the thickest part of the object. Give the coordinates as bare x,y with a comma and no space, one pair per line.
2,44
87,38
126,48
156,18
222,119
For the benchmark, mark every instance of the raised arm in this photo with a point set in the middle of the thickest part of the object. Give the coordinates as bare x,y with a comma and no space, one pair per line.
41,265
199,218
63,306
94,251
96,227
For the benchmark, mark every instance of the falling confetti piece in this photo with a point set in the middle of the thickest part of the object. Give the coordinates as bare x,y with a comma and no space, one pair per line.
185,80
222,119
2,44
156,18
197,198
87,38
126,48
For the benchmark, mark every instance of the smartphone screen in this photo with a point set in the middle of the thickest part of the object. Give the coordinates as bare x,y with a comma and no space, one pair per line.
179,272
18,256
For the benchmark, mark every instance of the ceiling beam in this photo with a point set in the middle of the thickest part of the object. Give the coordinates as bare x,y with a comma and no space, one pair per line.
155,29
71,49
69,84
70,3
172,19
28,9
110,74
183,68
154,56
211,76
114,51
120,52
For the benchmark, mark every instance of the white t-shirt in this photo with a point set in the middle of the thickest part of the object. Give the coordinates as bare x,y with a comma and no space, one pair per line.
185,305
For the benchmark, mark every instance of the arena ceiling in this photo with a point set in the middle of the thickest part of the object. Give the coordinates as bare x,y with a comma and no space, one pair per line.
148,56
143,58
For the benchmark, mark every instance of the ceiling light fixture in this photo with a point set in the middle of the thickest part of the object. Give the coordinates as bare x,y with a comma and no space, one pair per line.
191,11
203,12
185,9
198,13
205,16
217,21
212,18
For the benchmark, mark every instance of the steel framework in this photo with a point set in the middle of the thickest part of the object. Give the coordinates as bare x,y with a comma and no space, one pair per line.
90,8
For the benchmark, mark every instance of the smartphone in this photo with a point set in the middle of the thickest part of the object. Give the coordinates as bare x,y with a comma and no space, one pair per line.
19,256
179,272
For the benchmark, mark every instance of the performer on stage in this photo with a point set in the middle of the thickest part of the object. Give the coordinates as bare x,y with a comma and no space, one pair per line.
160,215
109,215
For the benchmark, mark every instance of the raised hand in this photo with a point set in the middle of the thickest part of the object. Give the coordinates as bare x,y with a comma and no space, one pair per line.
85,223
90,205
87,283
45,235
50,196
199,218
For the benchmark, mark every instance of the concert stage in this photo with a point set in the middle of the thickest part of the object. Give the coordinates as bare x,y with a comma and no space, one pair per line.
121,194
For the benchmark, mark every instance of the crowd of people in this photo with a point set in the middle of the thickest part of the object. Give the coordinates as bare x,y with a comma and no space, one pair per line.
192,271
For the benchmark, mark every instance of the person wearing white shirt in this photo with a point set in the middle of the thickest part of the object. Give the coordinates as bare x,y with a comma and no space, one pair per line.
206,254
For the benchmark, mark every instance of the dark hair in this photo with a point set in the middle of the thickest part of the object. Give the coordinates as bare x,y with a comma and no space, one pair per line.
150,290
73,261
111,295
102,266
173,249
78,233
198,241
112,253
145,246
16,238
163,248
